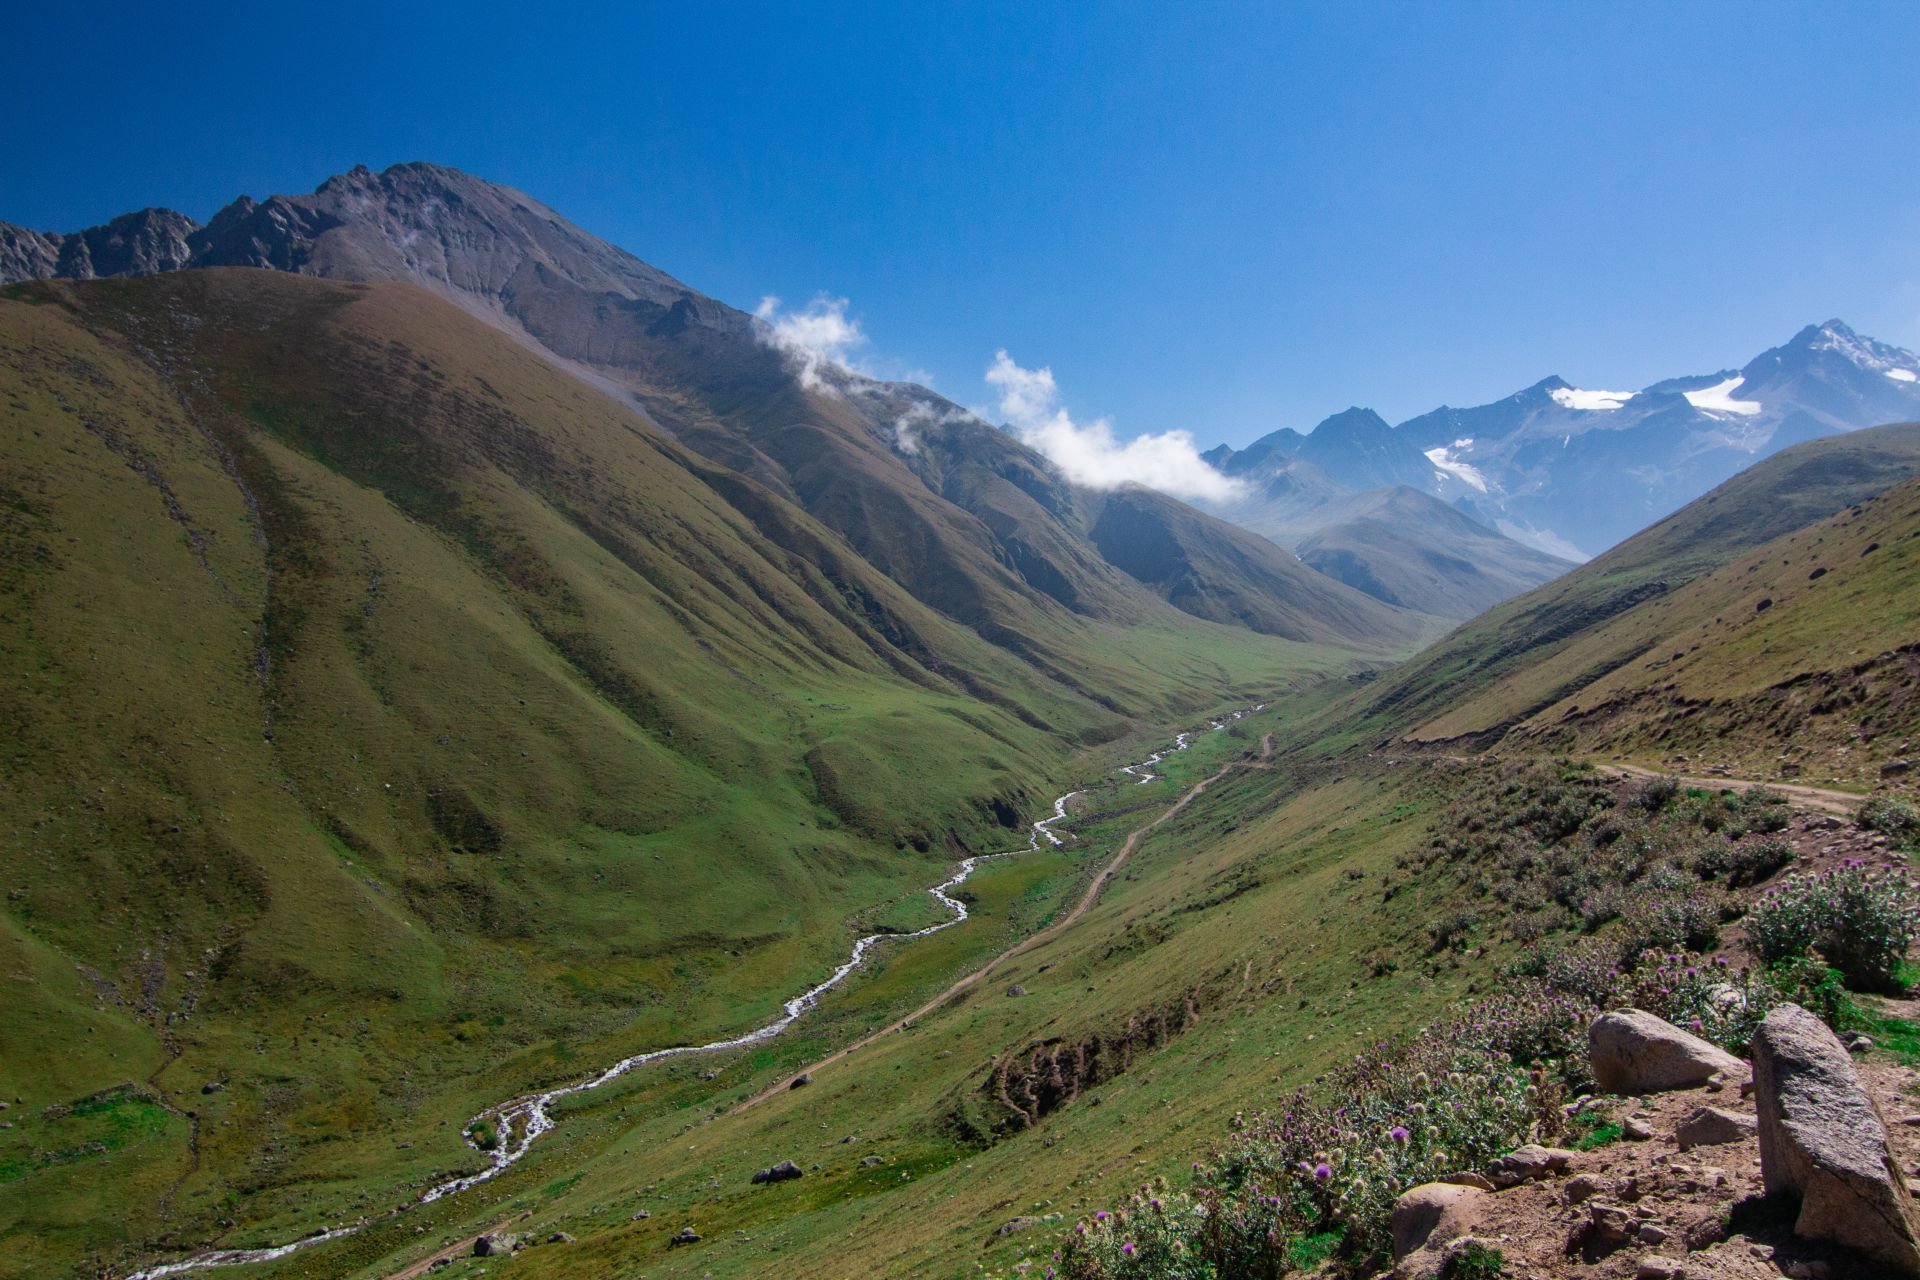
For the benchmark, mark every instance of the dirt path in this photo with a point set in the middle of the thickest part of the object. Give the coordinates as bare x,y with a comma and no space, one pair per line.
458,1249
1052,931
1840,802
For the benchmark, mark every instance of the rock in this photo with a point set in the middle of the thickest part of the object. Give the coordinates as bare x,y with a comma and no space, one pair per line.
1859,1042
1821,1138
560,1237
785,1171
1894,768
1469,1178
686,1235
640,1215
1608,1227
1433,1214
213,1086
1655,1267
1713,1126
1014,1226
1652,1233
873,1162
1016,990
1584,1187
495,1245
1528,1164
1635,1052
1634,1129
802,1080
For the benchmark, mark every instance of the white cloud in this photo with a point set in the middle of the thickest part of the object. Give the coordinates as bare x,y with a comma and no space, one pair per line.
1090,455
817,337
905,439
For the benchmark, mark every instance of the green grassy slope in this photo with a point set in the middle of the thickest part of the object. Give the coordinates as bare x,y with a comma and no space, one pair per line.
1542,649
394,722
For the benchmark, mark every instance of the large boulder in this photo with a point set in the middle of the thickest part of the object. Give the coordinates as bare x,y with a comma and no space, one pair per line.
1822,1139
1635,1052
1429,1215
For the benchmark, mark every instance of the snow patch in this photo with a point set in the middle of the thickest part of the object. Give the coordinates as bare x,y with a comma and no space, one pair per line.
1719,398
1442,457
1903,375
1580,398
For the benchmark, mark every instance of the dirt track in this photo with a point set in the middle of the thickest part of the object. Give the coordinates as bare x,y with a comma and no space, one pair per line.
1840,802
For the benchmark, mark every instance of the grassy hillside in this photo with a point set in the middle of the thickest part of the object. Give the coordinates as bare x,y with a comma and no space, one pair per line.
394,723
1640,602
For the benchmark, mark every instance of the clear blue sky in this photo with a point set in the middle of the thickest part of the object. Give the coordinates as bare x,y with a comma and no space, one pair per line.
1220,218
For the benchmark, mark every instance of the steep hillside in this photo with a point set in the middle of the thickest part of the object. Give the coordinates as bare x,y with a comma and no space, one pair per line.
398,722
991,555
1406,548
1697,593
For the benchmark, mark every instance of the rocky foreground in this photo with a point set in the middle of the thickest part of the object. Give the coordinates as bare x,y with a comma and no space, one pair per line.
1795,1164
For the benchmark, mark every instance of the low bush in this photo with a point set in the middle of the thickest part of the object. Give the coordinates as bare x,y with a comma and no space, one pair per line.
1893,816
1860,919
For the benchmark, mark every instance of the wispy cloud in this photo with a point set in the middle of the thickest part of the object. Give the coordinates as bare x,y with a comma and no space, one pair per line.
817,337
1089,454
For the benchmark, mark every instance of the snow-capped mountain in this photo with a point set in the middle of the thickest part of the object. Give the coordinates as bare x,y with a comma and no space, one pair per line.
1575,469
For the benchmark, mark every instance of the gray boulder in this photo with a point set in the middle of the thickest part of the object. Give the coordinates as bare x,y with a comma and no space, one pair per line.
1821,1138
1712,1126
1635,1052
785,1171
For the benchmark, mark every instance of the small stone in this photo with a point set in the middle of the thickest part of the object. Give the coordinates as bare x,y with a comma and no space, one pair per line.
1713,1126
1016,990
1634,1129
640,1215
1014,1226
802,1080
213,1086
1655,1267
1584,1187
1859,1042
1528,1164
687,1235
1652,1233
559,1237
873,1162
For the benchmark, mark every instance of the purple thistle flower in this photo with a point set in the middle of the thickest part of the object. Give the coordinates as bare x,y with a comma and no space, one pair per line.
1322,1171
1399,1134
1127,1248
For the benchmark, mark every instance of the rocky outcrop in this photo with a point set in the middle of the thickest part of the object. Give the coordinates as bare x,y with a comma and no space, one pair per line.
1635,1052
785,1171
1823,1140
1428,1216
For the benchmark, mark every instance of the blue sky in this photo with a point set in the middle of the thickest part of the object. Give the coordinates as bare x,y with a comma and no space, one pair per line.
1219,218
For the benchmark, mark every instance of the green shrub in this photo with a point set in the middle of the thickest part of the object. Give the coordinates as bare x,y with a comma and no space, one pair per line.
1860,919
1474,1261
1893,816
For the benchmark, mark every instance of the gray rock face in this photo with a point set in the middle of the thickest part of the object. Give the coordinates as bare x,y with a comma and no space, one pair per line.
1822,1138
1429,1215
1712,1126
1635,1052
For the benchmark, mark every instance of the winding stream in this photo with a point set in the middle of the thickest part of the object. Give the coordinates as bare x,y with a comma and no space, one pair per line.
519,1122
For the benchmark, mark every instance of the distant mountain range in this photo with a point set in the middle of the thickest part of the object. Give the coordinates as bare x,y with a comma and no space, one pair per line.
1573,470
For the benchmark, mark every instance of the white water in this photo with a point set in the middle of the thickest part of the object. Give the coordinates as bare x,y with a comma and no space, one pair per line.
519,1122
